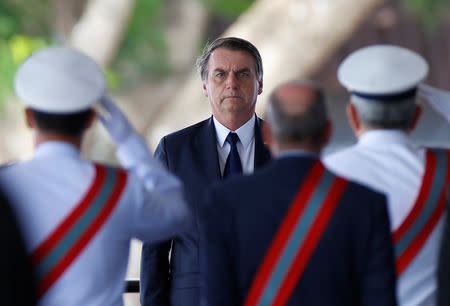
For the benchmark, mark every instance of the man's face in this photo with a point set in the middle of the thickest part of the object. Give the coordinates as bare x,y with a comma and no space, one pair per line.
232,86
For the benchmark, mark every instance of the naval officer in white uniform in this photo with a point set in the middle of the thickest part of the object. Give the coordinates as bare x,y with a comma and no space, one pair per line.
78,217
383,82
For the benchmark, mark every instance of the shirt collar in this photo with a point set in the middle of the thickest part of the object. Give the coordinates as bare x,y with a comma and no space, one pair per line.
59,148
384,137
246,132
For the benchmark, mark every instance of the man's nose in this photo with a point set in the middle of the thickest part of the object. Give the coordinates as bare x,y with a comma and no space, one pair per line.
232,81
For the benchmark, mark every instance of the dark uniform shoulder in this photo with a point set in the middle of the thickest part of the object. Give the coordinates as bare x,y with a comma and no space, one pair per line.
360,190
192,129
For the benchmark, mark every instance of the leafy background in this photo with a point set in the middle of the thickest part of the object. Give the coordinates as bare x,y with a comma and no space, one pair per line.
26,26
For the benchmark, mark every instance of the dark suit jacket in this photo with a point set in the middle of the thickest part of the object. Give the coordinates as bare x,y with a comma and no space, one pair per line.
16,281
191,154
352,264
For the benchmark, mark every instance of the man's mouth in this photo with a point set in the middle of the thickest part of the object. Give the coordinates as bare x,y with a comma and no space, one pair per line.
232,97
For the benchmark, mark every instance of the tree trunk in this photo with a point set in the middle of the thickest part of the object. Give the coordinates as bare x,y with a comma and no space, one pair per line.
100,30
185,26
66,14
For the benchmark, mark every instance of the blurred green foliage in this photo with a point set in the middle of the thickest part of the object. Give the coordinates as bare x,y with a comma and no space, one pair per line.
431,12
228,8
17,18
25,17
26,26
144,51
12,52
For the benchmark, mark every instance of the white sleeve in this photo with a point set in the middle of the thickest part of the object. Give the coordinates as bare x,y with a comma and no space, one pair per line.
134,155
160,215
164,209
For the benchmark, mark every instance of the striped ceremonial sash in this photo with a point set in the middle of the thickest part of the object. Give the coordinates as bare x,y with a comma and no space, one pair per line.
429,208
296,238
59,250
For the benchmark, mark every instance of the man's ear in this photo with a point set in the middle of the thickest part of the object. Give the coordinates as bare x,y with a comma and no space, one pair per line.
29,119
267,134
417,116
327,133
260,87
205,90
91,119
353,118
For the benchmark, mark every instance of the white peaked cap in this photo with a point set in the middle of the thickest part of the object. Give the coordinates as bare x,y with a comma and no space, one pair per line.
382,70
59,80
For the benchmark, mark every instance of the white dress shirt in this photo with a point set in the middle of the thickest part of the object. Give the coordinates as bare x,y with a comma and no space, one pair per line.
387,161
245,145
46,188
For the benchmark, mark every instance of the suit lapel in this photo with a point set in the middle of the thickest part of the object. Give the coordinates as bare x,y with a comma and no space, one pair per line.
207,151
262,153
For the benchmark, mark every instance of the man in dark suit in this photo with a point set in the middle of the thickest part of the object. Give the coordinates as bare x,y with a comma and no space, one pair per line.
293,233
224,145
17,286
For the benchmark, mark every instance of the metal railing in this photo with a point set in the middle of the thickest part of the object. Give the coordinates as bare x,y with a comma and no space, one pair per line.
132,285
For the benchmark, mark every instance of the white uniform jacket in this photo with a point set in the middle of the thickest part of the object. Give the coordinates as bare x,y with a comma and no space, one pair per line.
46,188
387,161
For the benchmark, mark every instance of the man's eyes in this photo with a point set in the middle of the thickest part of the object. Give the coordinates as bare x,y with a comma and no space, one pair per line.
238,74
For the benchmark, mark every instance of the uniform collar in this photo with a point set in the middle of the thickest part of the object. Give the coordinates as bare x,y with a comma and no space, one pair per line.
246,132
383,137
59,148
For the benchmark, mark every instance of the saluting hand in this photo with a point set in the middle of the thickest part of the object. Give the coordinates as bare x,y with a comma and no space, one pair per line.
114,120
438,99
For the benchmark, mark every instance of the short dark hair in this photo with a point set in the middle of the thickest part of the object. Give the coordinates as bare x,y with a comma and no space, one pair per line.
308,126
230,43
63,124
397,114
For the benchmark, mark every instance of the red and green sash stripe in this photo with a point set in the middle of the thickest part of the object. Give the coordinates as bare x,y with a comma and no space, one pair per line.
429,208
296,238
59,250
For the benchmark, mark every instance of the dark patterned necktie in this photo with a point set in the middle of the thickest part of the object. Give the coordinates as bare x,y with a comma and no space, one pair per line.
233,165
